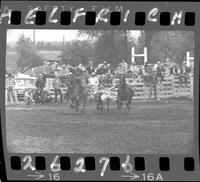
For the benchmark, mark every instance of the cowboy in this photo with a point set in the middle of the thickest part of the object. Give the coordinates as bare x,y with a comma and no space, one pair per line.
93,80
65,70
104,68
99,70
151,79
79,70
90,68
147,68
184,72
160,71
133,68
57,88
80,66
40,84
124,66
173,69
45,68
10,83
107,81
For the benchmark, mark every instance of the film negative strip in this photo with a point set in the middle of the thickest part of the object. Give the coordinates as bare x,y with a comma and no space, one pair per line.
94,90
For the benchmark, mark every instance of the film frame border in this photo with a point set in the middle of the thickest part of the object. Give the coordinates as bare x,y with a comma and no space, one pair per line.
196,156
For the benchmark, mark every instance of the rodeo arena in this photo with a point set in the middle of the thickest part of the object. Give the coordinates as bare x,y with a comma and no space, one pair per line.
137,108
74,84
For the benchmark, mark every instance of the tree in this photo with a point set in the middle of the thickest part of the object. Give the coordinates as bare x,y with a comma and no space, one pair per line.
110,45
145,40
104,48
27,54
172,45
77,52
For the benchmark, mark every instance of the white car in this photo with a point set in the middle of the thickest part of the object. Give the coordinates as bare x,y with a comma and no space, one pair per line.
23,83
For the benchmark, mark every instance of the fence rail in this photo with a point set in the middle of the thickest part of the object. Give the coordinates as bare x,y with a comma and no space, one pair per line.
170,87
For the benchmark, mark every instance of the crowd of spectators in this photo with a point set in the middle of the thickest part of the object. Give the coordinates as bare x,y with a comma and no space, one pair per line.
101,74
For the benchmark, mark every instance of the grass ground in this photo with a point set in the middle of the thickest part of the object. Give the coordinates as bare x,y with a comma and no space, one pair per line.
148,128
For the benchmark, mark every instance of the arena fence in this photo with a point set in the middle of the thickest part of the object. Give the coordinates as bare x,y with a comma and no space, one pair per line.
170,87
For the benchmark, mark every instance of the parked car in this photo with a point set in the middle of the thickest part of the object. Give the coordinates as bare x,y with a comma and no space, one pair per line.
24,83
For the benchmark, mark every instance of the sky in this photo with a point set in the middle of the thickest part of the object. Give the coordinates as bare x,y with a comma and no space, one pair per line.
49,35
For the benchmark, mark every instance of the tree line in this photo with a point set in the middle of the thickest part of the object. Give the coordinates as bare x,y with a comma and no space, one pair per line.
112,46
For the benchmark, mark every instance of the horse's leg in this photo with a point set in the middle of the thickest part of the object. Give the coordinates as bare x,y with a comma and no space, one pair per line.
71,102
84,104
117,103
128,105
155,92
77,103
97,101
120,104
150,91
108,103
101,103
128,101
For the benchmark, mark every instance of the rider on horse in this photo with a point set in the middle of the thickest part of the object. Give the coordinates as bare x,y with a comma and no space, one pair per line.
77,86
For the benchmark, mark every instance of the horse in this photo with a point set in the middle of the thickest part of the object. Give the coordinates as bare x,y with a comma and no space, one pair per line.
124,93
77,92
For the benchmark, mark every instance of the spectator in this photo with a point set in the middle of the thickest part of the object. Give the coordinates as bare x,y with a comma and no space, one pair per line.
99,70
174,69
81,67
160,71
124,66
65,70
93,83
10,83
93,80
133,68
147,68
107,80
79,70
40,82
104,68
57,88
109,69
90,68
184,74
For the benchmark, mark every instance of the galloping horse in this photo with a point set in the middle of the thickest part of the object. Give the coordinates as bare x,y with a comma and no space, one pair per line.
125,93
77,92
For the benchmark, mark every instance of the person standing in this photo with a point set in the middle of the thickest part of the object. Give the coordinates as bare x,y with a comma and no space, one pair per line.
133,70
40,84
99,70
160,71
124,66
184,74
10,83
173,70
151,80
90,68
57,88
